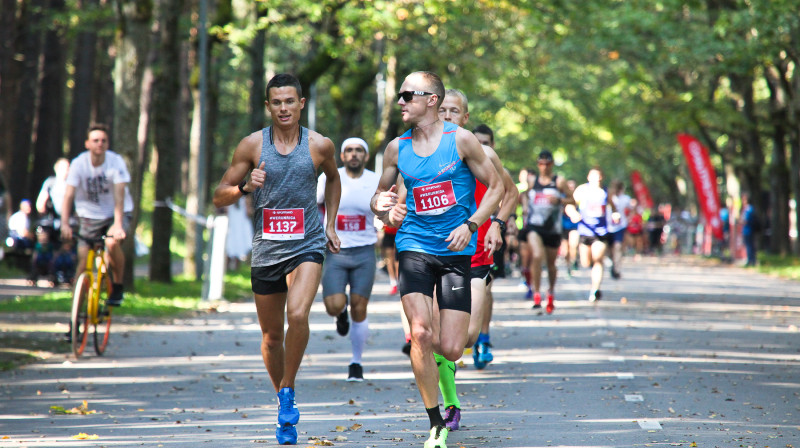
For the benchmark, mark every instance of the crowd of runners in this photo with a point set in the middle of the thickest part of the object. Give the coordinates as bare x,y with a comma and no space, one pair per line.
450,219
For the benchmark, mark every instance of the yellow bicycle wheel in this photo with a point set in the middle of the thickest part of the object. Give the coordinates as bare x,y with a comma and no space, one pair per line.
79,323
102,330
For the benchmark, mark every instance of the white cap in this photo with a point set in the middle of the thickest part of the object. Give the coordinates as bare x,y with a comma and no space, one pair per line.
357,141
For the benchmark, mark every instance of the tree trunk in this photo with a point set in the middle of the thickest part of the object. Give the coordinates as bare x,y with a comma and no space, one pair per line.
25,110
81,107
49,144
102,99
258,73
779,242
166,136
9,79
130,127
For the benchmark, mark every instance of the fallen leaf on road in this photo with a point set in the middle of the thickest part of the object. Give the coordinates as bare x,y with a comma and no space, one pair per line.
84,436
83,409
340,429
356,427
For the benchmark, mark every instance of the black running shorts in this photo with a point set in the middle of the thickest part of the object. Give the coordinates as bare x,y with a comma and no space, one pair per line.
549,239
272,279
448,275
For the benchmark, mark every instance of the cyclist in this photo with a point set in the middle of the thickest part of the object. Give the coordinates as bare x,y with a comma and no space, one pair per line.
98,183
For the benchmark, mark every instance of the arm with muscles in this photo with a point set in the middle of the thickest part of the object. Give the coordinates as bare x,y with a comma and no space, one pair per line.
508,203
398,213
244,159
385,197
471,152
333,191
66,212
117,231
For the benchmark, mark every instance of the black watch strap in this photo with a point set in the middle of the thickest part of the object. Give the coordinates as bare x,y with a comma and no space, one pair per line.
502,224
241,187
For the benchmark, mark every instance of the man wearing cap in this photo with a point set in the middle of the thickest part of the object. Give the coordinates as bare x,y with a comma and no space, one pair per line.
355,263
543,206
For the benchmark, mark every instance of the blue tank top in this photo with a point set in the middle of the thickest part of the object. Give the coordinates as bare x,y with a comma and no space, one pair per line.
441,196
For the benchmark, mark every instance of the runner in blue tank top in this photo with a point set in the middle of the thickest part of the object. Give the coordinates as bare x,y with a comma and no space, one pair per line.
439,163
283,161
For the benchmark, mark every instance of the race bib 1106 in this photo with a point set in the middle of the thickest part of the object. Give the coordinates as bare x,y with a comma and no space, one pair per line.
283,224
434,199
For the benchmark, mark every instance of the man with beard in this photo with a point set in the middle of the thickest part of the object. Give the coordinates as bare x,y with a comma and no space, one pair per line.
355,263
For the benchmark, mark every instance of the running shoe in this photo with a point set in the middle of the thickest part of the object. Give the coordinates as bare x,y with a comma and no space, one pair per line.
594,296
452,417
476,357
615,274
288,414
407,348
393,291
438,437
529,294
286,434
355,373
537,301
550,305
485,356
343,323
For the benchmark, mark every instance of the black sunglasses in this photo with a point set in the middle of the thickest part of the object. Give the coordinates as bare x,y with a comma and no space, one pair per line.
408,95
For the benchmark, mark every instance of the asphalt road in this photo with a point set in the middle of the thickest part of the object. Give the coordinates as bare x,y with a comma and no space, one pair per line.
677,354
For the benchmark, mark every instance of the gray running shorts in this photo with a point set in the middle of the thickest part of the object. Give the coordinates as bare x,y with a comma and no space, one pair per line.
354,266
95,228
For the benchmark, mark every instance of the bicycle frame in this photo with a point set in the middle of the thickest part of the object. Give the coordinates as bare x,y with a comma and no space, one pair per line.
95,269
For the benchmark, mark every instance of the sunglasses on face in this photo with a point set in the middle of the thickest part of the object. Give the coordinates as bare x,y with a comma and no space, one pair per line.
408,95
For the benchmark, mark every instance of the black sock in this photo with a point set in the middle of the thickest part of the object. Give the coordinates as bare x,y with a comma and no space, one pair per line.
116,287
435,416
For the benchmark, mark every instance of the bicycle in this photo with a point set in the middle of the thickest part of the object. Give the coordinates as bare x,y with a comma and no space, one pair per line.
89,308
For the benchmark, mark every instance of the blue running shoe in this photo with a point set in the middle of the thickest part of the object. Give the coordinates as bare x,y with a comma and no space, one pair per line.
476,356
288,414
485,356
286,435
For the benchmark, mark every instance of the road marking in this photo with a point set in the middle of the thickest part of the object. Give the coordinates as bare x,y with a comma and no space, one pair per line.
649,424
625,376
633,397
608,345
616,358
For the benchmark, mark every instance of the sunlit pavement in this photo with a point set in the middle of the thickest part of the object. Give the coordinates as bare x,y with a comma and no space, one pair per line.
676,354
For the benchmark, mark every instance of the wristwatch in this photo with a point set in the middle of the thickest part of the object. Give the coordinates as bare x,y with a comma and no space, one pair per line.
501,223
241,187
472,226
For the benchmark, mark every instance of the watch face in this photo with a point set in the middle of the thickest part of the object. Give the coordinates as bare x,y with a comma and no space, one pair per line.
472,227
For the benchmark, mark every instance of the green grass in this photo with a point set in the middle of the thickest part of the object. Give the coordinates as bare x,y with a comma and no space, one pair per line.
781,266
151,299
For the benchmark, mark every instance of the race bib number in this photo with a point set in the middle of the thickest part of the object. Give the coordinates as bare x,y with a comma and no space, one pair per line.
541,198
351,223
596,211
283,224
434,199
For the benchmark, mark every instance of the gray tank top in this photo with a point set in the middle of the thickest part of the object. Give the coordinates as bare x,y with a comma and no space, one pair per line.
286,220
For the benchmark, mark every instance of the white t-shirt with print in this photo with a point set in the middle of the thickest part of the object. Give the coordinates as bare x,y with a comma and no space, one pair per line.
355,222
94,185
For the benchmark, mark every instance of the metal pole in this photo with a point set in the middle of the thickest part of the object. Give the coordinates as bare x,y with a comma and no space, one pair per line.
201,165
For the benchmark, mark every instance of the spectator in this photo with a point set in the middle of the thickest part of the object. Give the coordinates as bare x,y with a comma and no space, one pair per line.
751,225
19,226
51,199
42,259
64,263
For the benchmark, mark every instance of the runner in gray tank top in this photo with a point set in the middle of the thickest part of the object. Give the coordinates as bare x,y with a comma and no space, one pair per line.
289,239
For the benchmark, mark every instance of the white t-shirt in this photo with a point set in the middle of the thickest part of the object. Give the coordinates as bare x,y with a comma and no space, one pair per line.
94,185
355,220
19,223
623,204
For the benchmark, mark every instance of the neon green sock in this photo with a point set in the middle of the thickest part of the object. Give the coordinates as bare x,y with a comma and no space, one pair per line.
447,381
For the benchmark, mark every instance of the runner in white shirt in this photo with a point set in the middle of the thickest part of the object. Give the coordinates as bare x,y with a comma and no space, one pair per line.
355,263
98,182
616,230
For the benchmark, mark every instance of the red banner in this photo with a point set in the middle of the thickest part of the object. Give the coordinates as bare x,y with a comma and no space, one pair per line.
640,190
705,181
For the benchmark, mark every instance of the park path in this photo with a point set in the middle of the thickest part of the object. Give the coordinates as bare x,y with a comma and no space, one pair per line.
679,353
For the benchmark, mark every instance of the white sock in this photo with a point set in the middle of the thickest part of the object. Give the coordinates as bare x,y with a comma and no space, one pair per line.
359,331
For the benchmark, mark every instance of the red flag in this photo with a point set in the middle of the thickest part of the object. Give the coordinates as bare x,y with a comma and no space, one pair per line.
705,181
640,190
